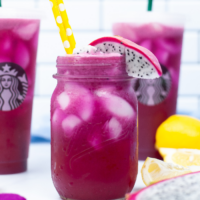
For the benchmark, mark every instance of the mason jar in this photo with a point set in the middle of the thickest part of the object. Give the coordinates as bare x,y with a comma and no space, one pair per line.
94,141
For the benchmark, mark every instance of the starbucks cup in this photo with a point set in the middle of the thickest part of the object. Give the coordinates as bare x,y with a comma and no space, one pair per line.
19,32
161,34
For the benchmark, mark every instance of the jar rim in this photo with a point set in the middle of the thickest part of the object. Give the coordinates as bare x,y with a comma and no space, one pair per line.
91,66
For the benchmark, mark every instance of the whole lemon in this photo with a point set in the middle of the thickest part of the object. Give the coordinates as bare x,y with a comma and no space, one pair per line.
179,131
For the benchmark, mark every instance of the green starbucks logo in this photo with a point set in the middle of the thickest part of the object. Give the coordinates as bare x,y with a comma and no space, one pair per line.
13,86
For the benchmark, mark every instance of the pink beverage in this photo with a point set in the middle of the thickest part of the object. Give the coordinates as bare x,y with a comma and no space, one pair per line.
156,98
93,128
18,49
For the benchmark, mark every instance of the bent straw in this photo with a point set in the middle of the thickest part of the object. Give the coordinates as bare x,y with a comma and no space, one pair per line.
150,3
0,3
59,22
67,26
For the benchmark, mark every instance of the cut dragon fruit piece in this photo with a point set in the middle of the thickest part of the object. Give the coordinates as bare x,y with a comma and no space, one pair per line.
140,62
5,196
184,187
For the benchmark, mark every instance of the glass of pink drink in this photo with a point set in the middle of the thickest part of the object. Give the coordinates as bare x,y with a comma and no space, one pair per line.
93,128
18,49
157,98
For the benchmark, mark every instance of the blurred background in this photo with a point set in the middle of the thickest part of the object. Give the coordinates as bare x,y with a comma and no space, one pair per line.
91,19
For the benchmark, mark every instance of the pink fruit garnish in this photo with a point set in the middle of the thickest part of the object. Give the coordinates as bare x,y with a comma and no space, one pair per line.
140,62
5,196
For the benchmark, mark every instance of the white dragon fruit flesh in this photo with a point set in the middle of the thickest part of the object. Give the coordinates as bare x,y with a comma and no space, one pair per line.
185,187
140,62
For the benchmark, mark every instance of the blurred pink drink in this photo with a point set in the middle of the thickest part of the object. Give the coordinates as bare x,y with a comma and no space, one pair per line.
18,49
156,98
93,128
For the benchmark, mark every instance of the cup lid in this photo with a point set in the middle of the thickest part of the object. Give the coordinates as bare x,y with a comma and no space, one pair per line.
24,13
157,17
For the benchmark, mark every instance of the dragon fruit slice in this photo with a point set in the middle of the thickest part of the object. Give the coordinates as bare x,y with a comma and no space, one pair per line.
5,196
140,62
185,187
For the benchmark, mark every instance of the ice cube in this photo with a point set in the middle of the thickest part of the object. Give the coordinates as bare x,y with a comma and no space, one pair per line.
87,107
75,88
6,44
81,98
58,116
116,104
69,123
26,32
115,128
63,100
21,56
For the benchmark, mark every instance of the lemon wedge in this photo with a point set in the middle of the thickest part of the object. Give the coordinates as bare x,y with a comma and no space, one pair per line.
154,170
179,131
189,158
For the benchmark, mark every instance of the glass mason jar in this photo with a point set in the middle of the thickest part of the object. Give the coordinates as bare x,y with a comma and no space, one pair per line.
94,142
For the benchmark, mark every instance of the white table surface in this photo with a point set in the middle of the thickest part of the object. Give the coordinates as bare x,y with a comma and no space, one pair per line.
36,183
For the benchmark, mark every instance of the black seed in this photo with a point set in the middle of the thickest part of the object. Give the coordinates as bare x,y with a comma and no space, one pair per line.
121,42
138,74
121,53
106,49
147,74
146,62
141,67
129,54
152,69
132,59
104,43
140,57
141,76
133,72
77,53
138,60
87,51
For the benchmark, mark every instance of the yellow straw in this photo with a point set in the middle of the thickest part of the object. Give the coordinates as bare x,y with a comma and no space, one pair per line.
68,42
66,23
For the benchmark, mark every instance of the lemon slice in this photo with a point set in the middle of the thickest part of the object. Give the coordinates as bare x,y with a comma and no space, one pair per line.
154,170
189,158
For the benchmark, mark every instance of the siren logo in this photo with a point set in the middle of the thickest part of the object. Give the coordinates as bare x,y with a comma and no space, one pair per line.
153,91
13,86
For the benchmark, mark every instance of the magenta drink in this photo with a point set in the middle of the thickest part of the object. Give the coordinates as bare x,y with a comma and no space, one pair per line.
156,98
94,148
94,129
18,49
